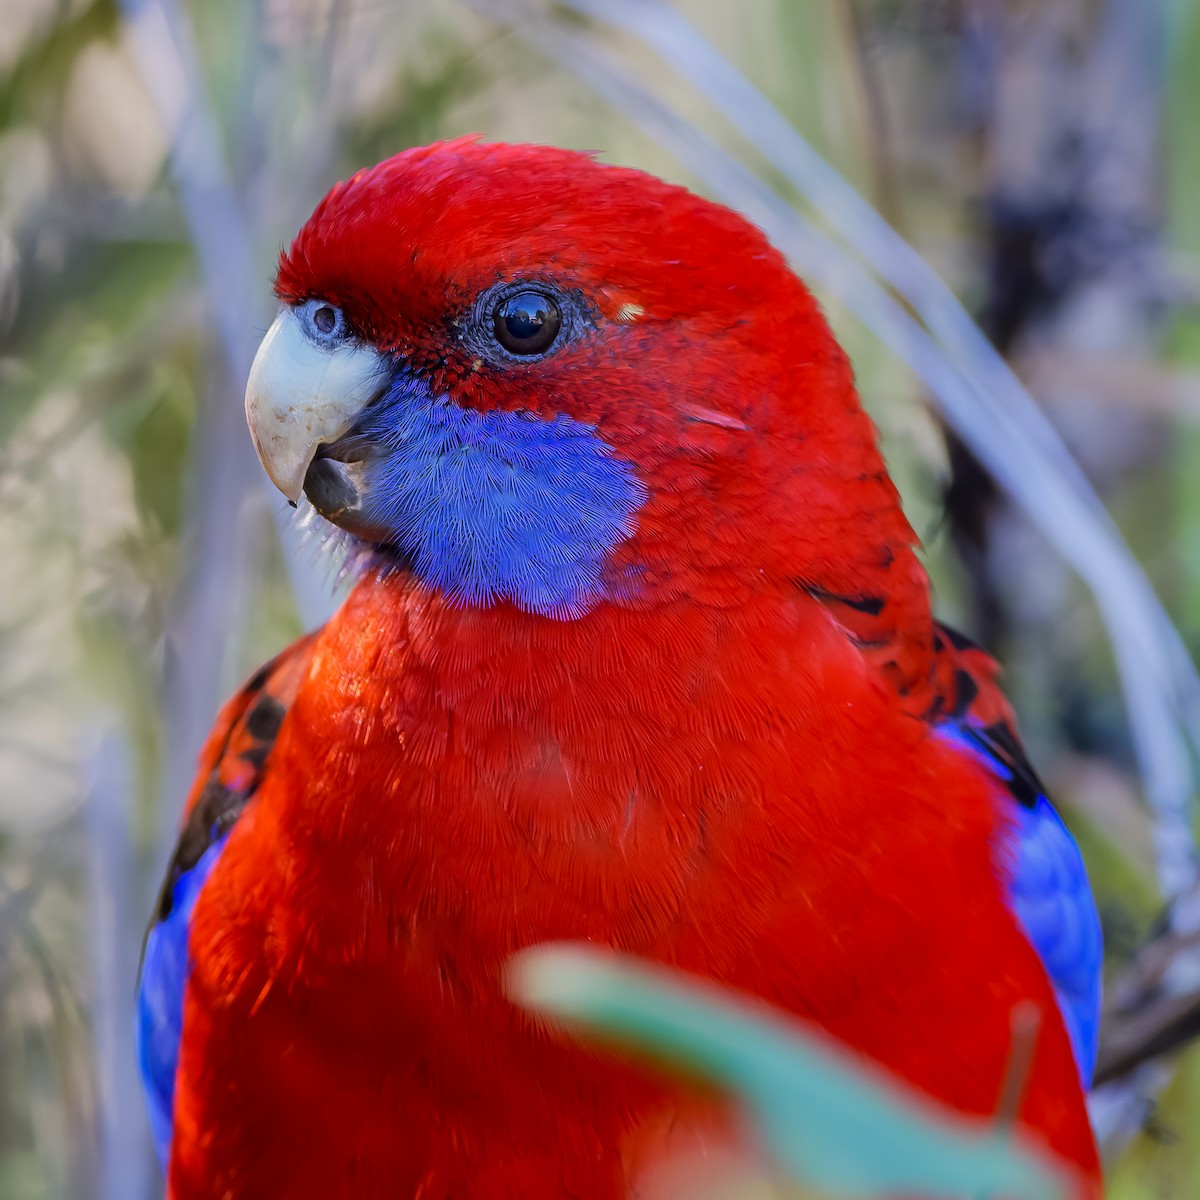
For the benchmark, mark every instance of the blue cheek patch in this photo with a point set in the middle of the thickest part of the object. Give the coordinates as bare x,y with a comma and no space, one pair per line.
165,969
495,506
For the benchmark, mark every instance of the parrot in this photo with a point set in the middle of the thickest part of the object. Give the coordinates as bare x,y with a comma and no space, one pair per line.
639,652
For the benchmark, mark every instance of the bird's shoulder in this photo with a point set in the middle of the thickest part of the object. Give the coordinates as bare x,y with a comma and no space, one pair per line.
232,766
951,685
1048,888
234,759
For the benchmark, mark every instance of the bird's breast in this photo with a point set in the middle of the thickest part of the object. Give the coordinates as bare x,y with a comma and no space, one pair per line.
494,778
732,796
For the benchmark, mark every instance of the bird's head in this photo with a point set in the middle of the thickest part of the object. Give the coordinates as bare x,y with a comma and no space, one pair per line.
539,380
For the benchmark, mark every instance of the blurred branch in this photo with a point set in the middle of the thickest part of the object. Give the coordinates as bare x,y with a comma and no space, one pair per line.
1153,1006
871,100
1151,1010
73,1086
1120,1109
115,914
162,42
223,469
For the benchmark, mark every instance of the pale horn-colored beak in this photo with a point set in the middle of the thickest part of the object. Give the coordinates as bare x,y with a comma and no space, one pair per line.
301,396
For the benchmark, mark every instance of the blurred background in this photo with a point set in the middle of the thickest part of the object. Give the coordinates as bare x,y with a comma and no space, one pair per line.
1042,156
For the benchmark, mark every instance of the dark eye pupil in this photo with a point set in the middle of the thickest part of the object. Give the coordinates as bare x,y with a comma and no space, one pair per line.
527,323
325,319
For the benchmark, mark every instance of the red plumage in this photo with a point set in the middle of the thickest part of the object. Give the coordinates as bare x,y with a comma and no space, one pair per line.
732,771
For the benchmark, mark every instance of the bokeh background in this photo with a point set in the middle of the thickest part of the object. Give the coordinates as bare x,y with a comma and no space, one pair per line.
1041,155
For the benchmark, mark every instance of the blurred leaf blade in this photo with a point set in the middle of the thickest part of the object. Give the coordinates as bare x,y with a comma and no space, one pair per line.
829,1119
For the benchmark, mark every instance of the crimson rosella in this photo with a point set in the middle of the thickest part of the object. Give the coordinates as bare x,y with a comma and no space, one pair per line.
641,653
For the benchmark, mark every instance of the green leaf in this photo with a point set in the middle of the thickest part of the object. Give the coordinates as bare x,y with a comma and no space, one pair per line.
831,1120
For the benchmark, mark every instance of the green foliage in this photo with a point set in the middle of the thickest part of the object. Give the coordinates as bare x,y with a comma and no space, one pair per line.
831,1121
40,72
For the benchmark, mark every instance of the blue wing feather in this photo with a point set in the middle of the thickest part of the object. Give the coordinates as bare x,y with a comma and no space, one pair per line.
1053,901
165,967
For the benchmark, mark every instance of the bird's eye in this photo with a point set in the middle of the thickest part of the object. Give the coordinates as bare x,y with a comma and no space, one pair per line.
527,323
325,323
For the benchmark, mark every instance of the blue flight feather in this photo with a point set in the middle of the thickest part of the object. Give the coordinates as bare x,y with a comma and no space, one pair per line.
1053,901
165,968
